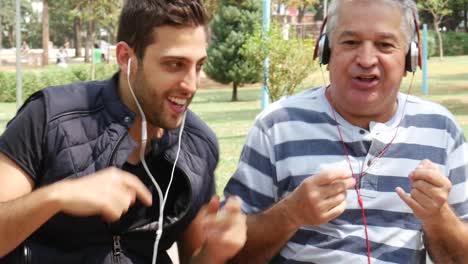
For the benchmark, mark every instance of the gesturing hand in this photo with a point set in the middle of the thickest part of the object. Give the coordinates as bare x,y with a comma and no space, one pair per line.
225,230
320,198
429,191
109,193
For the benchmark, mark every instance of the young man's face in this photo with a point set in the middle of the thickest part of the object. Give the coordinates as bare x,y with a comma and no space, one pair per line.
367,60
167,78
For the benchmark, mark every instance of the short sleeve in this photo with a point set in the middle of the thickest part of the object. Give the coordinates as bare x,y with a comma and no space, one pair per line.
22,141
254,180
457,166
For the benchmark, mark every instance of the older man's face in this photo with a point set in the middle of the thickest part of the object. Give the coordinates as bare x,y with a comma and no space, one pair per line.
367,60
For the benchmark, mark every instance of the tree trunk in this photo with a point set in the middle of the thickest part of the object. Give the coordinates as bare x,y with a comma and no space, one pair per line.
439,36
1,34
77,33
301,13
465,15
234,92
45,32
11,37
90,40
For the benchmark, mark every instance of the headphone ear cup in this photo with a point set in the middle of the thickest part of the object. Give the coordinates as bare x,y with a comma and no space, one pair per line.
412,57
325,58
323,50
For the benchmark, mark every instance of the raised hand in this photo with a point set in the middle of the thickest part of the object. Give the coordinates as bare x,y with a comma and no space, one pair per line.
320,198
109,193
225,230
429,192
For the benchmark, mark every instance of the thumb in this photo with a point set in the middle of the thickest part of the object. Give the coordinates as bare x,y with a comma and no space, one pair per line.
213,206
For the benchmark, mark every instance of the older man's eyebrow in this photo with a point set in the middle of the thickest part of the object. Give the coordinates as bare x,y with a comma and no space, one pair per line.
388,36
381,35
347,33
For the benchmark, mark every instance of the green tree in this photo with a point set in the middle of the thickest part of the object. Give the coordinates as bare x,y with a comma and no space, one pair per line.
101,14
45,32
8,21
231,26
211,6
438,9
291,60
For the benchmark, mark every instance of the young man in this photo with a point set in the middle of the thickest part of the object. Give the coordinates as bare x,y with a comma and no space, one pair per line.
324,175
73,188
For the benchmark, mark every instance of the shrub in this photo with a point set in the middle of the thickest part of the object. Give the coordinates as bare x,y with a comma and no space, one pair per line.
37,79
455,43
291,60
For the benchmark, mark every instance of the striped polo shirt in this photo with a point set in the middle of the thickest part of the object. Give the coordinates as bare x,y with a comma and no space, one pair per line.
297,137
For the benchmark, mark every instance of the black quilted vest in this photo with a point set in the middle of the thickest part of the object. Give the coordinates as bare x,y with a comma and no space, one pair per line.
86,131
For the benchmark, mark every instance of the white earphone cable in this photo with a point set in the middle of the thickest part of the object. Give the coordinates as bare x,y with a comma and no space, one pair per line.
144,135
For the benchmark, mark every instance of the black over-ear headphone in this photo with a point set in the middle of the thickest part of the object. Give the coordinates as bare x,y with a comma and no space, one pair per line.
413,57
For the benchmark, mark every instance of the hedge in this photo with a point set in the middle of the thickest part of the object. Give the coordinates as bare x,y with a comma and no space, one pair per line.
455,43
37,79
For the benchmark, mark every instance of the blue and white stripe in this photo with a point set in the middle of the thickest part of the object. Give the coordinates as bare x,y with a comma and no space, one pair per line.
297,137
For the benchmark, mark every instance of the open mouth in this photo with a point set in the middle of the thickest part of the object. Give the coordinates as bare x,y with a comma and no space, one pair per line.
178,101
367,78
177,104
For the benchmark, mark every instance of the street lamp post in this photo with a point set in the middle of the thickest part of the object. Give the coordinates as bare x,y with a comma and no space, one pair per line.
266,63
19,79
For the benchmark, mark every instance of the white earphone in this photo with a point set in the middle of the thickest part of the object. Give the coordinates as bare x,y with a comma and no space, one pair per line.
144,137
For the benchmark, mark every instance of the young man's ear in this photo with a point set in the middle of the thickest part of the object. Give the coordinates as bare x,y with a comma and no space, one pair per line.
125,54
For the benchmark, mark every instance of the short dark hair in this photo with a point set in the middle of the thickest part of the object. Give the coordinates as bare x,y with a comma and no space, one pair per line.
139,18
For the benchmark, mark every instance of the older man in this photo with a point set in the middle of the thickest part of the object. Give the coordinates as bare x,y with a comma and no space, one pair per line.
356,172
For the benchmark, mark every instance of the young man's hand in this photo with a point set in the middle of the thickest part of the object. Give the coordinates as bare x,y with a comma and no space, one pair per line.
225,230
109,193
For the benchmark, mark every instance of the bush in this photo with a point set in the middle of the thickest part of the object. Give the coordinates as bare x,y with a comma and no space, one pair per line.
291,60
37,79
455,43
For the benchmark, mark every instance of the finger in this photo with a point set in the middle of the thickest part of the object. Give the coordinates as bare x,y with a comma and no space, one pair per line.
427,189
233,205
427,164
142,192
328,176
333,201
422,199
337,187
213,206
417,209
335,212
434,177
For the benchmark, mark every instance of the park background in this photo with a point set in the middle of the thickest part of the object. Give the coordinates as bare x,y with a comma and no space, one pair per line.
231,90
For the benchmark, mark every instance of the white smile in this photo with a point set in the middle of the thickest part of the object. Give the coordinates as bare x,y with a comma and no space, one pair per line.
178,101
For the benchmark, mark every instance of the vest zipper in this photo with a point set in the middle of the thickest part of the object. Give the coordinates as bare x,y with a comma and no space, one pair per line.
116,250
26,255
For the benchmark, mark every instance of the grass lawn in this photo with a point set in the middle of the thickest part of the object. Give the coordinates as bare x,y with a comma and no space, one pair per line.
448,85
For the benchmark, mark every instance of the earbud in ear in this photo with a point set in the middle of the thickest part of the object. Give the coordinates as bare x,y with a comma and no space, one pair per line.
129,63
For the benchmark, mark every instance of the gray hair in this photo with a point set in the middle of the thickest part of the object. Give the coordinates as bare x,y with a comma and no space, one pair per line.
408,7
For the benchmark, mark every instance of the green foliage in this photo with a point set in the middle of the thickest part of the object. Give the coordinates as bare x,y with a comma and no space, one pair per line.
34,80
8,20
231,27
454,43
291,61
